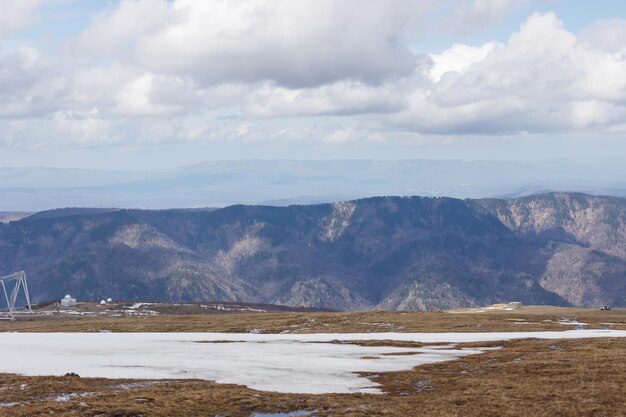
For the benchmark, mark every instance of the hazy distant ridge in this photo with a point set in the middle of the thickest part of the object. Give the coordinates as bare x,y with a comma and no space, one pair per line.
283,182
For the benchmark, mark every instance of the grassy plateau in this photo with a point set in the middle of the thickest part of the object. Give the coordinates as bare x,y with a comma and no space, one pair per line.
528,377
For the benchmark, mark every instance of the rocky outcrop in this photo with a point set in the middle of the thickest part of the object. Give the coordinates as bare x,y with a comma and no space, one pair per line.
584,237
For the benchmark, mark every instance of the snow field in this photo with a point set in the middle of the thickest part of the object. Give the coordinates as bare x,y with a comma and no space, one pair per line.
290,363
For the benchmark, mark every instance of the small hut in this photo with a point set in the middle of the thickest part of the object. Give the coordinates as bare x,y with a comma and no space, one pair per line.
68,301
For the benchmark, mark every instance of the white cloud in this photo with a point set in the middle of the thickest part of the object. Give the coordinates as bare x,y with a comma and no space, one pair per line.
151,71
482,13
16,15
29,85
60,129
544,79
135,98
458,58
596,113
608,35
115,30
19,69
295,44
339,98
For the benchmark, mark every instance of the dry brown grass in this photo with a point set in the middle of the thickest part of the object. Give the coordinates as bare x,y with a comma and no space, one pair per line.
539,318
525,378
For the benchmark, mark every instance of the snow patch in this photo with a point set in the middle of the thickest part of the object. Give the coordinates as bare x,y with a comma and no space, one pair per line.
291,363
65,397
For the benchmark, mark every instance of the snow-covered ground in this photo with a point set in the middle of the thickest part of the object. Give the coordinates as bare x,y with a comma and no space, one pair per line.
298,363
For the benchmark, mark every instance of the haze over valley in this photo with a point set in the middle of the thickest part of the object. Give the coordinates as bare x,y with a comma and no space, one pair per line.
284,182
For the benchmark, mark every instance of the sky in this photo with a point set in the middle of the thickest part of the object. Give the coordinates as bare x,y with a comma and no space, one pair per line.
163,83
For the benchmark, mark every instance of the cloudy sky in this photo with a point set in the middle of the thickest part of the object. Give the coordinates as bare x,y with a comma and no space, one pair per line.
155,83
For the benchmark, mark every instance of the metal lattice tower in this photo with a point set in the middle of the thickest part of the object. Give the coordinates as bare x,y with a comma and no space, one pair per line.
19,278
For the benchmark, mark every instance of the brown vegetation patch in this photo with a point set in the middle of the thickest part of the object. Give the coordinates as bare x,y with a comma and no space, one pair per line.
539,319
385,342
400,354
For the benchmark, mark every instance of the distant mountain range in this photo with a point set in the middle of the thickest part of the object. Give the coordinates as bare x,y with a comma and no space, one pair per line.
284,182
383,252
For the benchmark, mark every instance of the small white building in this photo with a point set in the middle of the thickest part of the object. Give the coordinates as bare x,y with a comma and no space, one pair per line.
68,301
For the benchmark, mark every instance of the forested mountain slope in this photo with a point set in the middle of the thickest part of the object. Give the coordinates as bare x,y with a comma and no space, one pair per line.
383,252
